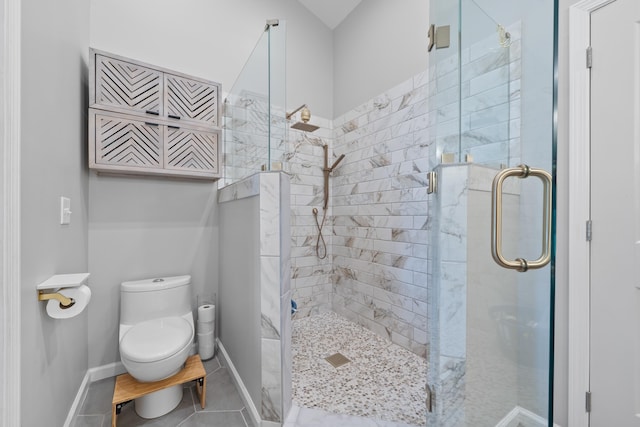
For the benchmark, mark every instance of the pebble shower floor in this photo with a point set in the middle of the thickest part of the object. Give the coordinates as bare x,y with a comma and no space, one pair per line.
383,381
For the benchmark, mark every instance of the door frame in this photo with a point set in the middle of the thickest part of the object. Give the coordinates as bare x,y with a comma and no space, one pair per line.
10,232
579,173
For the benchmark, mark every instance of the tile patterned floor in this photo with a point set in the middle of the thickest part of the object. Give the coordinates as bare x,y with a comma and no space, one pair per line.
225,407
383,381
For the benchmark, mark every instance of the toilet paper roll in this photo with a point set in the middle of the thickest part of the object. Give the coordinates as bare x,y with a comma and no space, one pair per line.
205,351
81,295
205,338
205,327
207,313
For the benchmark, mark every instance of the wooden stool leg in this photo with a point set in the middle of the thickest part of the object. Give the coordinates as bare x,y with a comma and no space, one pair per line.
113,415
202,391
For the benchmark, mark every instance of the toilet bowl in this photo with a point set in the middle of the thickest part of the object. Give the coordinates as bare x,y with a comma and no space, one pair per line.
156,337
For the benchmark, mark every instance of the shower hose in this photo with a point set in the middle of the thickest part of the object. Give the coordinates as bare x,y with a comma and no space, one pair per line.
320,243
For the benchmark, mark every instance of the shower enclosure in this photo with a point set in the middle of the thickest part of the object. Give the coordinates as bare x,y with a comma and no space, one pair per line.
254,109
492,294
461,277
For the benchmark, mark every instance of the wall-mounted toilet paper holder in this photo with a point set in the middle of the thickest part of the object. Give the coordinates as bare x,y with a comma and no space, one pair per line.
59,282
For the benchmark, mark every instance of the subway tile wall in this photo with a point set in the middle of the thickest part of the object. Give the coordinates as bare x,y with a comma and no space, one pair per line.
377,271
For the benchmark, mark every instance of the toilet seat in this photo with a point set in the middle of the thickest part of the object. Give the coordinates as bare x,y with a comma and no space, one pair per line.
155,340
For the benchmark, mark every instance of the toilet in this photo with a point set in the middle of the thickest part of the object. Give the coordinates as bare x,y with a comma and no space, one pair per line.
156,336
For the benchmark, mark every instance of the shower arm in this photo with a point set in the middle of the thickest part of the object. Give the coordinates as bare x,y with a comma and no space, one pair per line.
289,115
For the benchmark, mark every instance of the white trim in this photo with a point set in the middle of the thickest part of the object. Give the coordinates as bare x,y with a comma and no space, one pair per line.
10,326
512,416
244,393
579,207
94,374
521,415
106,371
77,402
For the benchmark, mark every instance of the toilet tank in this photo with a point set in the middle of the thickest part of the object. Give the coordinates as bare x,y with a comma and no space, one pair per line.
148,299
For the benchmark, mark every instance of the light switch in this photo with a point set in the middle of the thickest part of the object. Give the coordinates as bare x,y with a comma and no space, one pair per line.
65,210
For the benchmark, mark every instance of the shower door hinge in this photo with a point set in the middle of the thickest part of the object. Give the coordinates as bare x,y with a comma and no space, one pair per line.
432,186
589,57
587,401
589,231
431,398
440,37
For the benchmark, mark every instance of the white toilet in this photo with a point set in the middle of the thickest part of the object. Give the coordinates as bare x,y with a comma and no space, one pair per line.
156,335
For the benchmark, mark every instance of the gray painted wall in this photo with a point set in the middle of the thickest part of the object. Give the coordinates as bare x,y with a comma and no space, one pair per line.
141,228
379,45
332,71
239,301
55,38
213,40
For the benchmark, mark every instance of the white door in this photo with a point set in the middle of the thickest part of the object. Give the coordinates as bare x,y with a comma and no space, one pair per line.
615,214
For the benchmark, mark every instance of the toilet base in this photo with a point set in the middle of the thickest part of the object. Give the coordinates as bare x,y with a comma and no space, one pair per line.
159,403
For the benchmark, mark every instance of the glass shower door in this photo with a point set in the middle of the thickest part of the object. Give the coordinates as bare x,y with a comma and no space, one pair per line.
492,300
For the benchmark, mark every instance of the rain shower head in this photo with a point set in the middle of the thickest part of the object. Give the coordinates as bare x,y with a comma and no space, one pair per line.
305,115
305,127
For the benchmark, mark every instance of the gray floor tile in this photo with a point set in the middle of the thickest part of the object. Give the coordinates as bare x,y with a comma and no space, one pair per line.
99,397
129,418
211,365
89,421
215,419
222,394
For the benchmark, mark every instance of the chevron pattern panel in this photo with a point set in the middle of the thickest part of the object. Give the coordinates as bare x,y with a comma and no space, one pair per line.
192,99
130,143
191,150
123,84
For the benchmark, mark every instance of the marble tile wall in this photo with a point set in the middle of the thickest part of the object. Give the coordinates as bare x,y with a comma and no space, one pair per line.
377,268
246,135
467,350
489,110
381,214
255,136
303,160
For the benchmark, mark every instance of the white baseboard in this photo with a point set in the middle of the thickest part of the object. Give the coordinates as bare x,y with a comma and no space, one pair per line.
519,414
93,374
77,402
106,371
244,393
96,374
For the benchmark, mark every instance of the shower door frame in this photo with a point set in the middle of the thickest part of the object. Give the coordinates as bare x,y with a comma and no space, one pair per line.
579,172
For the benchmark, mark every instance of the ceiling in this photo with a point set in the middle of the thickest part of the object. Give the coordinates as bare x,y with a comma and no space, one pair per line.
331,12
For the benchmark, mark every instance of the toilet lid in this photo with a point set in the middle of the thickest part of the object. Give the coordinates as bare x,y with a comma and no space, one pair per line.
156,339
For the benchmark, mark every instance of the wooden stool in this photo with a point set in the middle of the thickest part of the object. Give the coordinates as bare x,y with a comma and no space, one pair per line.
128,388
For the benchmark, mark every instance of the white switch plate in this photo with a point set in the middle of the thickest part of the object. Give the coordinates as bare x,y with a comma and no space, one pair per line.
65,210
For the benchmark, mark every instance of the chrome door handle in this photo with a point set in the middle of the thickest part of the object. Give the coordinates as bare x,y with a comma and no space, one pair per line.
520,264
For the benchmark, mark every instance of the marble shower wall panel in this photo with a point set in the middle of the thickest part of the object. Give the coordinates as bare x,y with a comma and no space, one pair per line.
303,160
381,214
274,232
246,124
486,121
448,296
473,367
